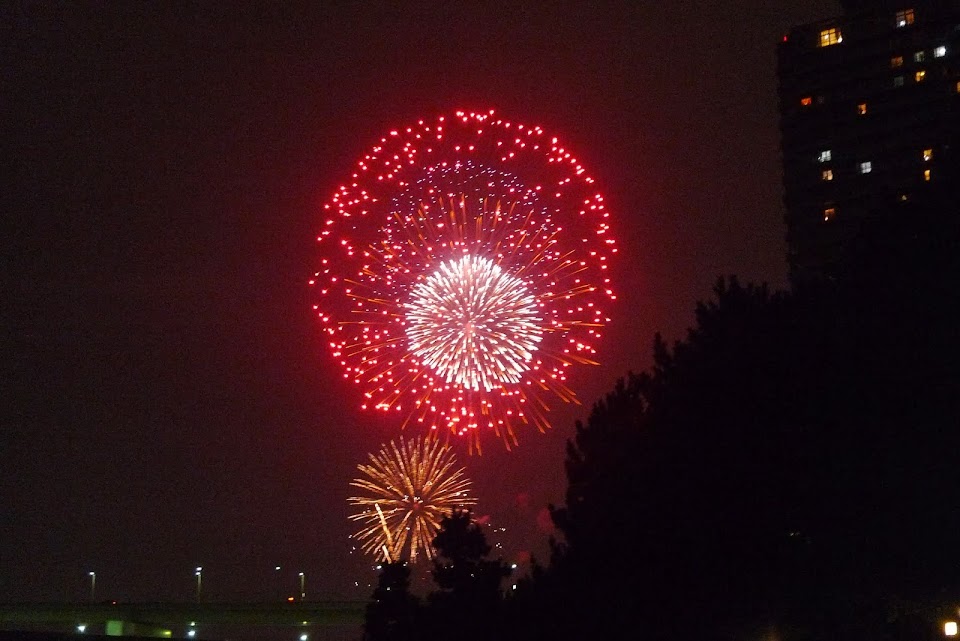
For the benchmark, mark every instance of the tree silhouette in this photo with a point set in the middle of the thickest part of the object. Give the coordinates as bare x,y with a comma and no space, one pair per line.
782,466
468,603
392,614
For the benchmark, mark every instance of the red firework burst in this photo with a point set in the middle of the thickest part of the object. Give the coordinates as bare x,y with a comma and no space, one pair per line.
463,271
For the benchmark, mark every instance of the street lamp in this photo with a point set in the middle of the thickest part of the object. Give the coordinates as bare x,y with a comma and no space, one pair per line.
93,586
303,594
277,581
199,575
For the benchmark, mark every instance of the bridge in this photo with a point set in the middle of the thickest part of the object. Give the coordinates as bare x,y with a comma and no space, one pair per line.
158,619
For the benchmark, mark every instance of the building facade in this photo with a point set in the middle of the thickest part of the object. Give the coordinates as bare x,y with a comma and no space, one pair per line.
869,118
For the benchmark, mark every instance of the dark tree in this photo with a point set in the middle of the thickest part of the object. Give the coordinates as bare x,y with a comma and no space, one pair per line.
392,615
468,603
781,468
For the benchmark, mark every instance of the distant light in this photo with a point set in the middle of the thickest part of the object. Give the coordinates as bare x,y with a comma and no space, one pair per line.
83,628
277,568
939,52
289,599
513,567
193,623
950,628
304,637
191,633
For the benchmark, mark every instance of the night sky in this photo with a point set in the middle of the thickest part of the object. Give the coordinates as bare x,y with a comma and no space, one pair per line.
167,398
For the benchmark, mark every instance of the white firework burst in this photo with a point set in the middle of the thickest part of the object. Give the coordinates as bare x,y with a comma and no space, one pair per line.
474,324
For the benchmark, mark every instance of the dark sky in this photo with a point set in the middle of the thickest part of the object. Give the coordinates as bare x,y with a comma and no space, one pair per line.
166,398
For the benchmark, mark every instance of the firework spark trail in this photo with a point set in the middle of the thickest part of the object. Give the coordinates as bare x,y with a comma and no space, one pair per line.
408,489
463,272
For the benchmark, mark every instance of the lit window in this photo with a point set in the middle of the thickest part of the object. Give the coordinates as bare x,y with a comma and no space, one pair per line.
828,213
827,174
904,17
940,52
862,109
898,81
896,61
824,156
950,629
918,57
926,175
830,37
958,86
927,155
920,75
865,167
806,101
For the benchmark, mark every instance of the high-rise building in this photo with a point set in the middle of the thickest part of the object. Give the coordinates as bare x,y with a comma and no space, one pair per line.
869,117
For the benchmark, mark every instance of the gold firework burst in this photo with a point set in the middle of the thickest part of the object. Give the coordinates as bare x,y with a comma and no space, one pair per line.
409,487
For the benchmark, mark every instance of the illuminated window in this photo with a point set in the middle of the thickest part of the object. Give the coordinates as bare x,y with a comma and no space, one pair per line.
950,629
940,52
830,37
904,17
896,61
958,86
927,155
827,174
829,213
865,167
918,57
898,81
862,109
806,101
824,156
920,75
926,175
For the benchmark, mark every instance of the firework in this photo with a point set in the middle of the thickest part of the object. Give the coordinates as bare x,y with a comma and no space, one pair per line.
409,488
463,272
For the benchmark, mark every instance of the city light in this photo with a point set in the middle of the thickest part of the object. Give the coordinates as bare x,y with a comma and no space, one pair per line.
82,628
950,628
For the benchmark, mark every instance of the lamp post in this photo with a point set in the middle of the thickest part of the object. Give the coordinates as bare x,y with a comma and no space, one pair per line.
303,595
277,581
93,586
199,574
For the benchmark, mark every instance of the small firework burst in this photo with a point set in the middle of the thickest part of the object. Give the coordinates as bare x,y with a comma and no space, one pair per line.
408,488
